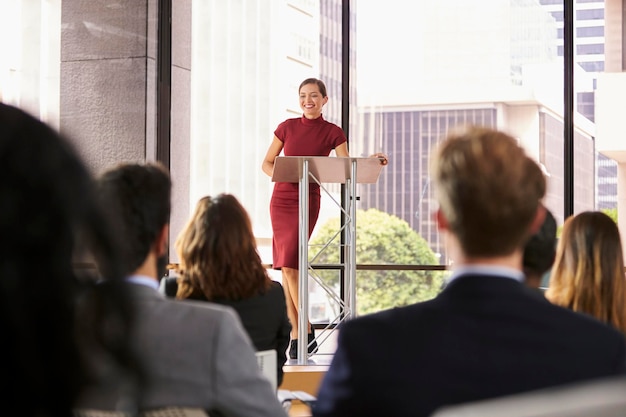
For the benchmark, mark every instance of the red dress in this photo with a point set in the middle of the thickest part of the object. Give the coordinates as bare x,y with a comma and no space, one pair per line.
300,137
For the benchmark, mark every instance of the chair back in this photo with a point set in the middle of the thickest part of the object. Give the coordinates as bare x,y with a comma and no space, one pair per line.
267,362
174,412
157,412
604,397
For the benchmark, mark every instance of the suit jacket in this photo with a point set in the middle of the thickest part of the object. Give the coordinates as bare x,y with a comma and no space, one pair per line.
264,317
195,354
481,337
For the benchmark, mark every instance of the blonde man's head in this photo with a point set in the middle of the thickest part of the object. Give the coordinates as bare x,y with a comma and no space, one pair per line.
488,189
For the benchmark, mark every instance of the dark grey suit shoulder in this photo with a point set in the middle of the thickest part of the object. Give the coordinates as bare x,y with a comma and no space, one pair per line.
481,337
264,317
196,354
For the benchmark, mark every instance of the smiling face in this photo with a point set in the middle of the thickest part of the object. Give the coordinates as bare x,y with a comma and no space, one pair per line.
312,101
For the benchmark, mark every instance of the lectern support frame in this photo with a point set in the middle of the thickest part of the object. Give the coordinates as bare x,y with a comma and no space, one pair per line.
303,265
350,239
302,170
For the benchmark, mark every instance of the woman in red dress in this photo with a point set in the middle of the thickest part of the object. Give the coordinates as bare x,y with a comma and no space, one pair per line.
309,135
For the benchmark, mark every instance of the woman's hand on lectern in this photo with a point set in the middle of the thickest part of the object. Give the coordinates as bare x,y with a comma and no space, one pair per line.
383,158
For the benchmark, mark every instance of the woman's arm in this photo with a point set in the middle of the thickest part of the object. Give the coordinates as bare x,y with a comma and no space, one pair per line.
342,150
272,152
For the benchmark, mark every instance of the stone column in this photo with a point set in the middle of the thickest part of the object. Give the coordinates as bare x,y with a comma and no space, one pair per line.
107,97
180,148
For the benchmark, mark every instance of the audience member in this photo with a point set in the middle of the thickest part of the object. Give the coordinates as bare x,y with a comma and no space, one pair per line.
486,334
195,354
219,262
588,273
539,252
46,205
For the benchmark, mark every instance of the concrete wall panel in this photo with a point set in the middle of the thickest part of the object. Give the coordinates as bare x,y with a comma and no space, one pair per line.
181,33
106,99
103,29
103,109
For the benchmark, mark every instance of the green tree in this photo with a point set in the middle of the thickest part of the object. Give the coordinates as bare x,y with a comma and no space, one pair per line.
612,213
382,239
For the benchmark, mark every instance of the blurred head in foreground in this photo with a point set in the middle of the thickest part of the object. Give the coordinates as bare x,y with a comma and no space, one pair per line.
50,313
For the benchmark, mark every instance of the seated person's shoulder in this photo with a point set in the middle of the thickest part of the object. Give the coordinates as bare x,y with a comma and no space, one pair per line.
395,320
201,308
582,325
169,286
276,288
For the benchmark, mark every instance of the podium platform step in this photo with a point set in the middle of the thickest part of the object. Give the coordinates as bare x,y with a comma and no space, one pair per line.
305,378
308,377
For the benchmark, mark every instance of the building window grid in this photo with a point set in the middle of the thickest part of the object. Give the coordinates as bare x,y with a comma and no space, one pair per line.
414,135
590,14
589,32
590,49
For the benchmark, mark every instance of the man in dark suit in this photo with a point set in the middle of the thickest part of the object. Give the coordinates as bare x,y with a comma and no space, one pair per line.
486,334
195,354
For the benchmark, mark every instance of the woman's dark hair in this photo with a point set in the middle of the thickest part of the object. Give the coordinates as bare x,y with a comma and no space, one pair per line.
217,253
46,206
540,249
320,84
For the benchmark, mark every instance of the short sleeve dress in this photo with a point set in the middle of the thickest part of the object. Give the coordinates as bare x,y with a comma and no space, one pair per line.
300,137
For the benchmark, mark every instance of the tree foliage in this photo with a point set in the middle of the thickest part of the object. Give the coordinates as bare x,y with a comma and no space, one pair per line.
382,239
612,213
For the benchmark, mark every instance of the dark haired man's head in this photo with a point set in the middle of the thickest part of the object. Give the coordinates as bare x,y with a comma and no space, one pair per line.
136,198
46,202
540,251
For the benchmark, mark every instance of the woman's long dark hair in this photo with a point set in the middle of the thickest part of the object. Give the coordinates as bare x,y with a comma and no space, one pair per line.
588,272
49,313
218,254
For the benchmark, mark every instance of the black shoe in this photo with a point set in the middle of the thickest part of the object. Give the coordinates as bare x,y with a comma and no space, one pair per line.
312,343
293,349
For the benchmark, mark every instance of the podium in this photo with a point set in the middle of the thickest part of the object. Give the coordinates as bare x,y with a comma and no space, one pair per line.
323,169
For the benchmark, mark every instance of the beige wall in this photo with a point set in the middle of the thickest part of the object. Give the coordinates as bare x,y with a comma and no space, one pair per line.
614,32
611,101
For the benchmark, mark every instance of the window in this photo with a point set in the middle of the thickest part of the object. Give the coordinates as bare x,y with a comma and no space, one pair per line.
417,68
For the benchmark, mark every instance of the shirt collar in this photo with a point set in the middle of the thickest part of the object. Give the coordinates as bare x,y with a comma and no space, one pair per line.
491,270
312,122
143,280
